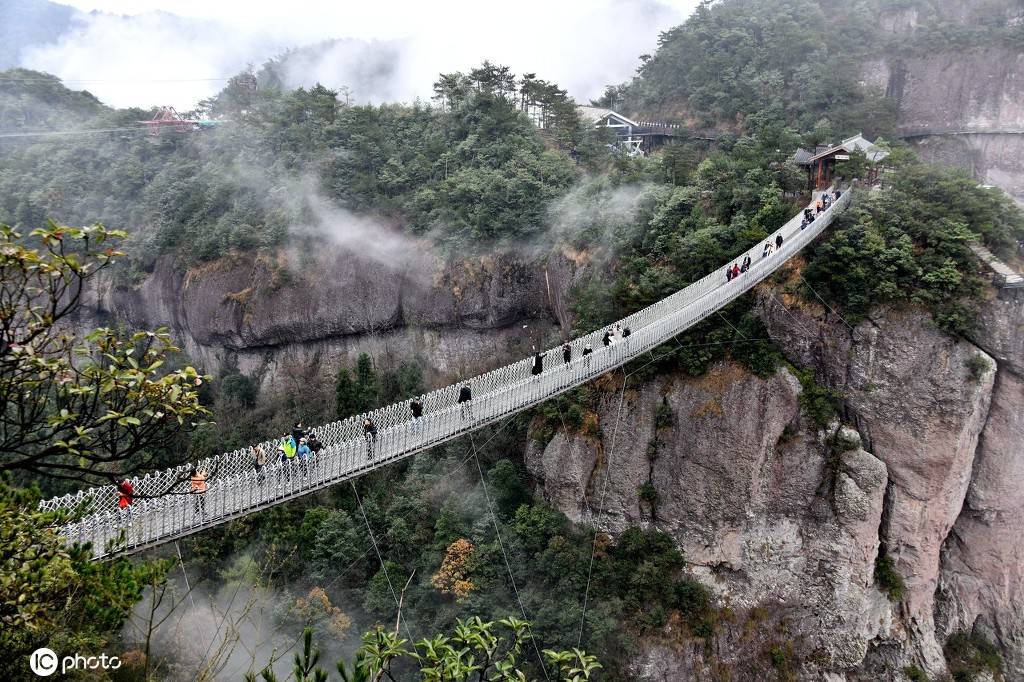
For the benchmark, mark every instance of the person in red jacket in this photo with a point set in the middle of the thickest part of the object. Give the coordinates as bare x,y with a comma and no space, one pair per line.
125,494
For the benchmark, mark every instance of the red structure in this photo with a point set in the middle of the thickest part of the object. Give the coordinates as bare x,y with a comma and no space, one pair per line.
166,118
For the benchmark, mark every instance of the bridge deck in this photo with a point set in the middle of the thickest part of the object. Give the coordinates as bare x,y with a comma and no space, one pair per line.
165,510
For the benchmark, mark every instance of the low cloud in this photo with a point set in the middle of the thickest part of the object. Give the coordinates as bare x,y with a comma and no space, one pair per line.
390,53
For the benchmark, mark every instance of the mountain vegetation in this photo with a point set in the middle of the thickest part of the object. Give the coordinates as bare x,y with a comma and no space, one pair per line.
458,526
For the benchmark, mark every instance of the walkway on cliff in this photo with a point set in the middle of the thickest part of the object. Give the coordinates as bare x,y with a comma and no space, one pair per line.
1006,277
164,509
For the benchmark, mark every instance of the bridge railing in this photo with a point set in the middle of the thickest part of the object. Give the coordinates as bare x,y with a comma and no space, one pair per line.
165,508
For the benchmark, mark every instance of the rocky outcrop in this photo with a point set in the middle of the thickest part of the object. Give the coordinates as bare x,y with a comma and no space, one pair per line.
766,510
982,578
961,108
771,514
920,401
273,316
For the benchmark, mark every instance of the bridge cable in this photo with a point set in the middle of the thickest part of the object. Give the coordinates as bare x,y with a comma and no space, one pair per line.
504,554
830,308
604,495
726,320
383,566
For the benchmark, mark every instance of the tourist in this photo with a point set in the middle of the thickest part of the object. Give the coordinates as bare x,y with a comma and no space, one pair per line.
607,338
746,263
735,271
125,495
587,350
566,353
767,250
197,482
298,432
370,434
466,401
778,242
416,407
259,460
538,363
728,274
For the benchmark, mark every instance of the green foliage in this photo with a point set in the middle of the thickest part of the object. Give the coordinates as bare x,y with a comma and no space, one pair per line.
915,674
971,653
820,403
888,578
474,650
977,366
239,388
52,594
92,407
470,175
740,59
910,243
648,493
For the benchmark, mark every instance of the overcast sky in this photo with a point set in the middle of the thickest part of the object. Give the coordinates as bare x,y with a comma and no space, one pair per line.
580,44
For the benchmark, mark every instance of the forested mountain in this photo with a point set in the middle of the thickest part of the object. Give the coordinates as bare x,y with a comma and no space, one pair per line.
28,23
788,495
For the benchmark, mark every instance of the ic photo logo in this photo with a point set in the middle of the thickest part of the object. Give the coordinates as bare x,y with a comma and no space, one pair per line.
44,662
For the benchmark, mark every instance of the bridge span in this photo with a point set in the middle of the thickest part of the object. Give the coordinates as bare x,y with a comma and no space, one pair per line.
165,509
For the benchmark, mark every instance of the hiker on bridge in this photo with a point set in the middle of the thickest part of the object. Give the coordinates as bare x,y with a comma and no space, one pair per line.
767,250
607,338
746,263
298,432
370,434
287,448
304,453
808,215
587,351
314,443
416,407
778,242
259,460
466,401
125,495
197,484
567,353
625,334
538,363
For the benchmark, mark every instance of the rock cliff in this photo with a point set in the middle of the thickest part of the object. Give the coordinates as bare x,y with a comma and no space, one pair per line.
962,107
270,316
776,513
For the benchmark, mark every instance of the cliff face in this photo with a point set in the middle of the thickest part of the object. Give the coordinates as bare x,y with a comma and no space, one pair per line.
774,512
964,107
276,316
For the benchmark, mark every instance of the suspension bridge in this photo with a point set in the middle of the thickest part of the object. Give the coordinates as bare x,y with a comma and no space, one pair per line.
166,508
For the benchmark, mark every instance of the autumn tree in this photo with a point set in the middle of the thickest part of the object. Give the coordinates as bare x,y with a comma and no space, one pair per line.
453,576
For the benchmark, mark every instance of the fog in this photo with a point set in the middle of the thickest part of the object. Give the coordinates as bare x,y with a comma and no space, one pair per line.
394,50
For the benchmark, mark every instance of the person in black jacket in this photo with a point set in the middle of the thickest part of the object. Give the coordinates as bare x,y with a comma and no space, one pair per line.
370,433
607,338
567,353
417,413
778,242
466,400
538,363
746,263
587,350
298,432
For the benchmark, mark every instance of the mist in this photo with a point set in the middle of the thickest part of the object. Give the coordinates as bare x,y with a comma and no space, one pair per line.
388,52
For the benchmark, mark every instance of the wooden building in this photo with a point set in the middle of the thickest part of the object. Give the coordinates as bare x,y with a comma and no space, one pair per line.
821,164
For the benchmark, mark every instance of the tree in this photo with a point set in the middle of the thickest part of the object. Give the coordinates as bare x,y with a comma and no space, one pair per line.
90,408
52,594
475,650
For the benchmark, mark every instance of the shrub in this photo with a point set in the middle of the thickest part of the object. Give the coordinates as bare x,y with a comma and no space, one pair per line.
915,674
648,493
977,365
820,403
888,578
969,654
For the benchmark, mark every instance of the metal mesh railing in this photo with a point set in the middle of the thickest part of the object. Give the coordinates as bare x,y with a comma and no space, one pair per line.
165,508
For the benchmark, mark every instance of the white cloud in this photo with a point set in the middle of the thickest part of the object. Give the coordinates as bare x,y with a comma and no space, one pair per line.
580,44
